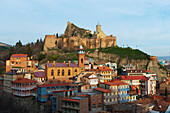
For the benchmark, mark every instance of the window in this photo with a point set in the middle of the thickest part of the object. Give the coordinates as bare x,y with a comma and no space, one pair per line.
93,99
99,105
94,106
81,60
19,62
63,72
75,70
16,62
58,72
99,99
52,72
86,87
69,72
90,87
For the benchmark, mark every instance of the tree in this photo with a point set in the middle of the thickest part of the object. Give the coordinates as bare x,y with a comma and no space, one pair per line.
19,44
166,92
28,50
11,51
41,56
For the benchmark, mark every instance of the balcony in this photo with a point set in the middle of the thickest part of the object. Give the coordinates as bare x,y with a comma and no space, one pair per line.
123,95
23,88
114,90
109,103
110,96
22,94
124,89
136,83
121,101
70,107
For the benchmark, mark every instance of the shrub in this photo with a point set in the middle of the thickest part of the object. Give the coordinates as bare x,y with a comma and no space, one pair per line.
41,56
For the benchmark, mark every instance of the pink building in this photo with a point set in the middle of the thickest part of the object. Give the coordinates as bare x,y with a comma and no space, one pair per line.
23,87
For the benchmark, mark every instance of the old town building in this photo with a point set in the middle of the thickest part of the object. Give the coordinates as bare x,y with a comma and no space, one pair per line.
75,105
23,87
10,76
105,74
113,92
21,62
63,71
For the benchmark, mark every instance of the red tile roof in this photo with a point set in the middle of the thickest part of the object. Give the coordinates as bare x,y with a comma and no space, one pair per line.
50,85
81,95
73,100
134,78
103,90
148,71
24,81
105,69
154,75
39,74
115,83
19,55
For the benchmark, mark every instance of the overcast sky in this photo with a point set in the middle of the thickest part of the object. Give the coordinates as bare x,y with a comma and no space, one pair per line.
145,23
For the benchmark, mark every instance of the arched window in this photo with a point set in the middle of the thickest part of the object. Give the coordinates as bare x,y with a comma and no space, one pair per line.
58,72
81,60
52,72
69,72
63,72
75,70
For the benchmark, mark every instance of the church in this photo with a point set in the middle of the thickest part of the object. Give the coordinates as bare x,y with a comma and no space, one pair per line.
63,71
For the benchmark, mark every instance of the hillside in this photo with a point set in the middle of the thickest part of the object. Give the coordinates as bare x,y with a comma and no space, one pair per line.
3,44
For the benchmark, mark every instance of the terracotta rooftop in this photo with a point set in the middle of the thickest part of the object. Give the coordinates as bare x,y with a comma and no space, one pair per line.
19,55
103,90
115,83
134,77
62,65
39,74
105,69
51,85
68,99
24,81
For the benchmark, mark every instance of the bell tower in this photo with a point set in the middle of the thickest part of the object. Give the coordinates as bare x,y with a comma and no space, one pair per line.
98,28
81,56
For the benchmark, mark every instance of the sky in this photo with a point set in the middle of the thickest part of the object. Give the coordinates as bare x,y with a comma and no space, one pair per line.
141,24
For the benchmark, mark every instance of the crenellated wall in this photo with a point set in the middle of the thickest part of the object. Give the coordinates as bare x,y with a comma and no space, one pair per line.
52,41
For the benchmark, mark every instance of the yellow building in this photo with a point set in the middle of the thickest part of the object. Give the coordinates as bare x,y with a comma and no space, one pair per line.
63,71
106,74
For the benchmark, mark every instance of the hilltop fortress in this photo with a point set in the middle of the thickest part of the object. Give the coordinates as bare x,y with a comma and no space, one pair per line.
74,36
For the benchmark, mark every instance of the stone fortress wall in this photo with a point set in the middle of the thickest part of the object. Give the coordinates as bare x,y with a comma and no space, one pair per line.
98,40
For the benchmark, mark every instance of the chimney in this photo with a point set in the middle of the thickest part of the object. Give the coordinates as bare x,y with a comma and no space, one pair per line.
48,62
53,63
64,62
